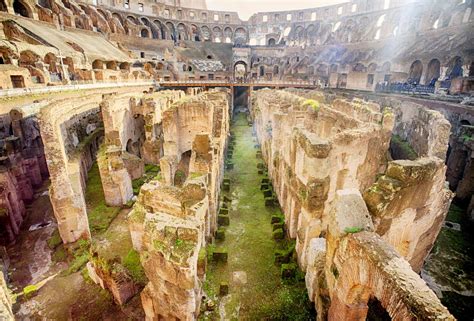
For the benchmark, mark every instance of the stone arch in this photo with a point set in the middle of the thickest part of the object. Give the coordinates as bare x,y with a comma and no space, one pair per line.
194,32
433,72
217,34
358,67
103,14
271,42
261,71
206,33
118,17
50,59
372,68
45,4
132,19
416,70
22,8
182,32
3,6
144,33
98,64
240,70
111,65
78,23
276,70
160,29
124,66
386,66
228,33
171,30
28,58
455,67
363,268
240,36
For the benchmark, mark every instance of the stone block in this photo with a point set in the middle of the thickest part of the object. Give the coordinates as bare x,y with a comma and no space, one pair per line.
223,220
220,234
277,219
269,201
288,270
278,234
226,186
223,288
276,226
267,193
224,211
220,255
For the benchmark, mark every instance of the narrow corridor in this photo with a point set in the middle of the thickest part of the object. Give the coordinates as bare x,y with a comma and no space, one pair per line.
256,289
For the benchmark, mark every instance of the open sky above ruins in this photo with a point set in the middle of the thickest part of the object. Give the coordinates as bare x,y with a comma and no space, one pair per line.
246,8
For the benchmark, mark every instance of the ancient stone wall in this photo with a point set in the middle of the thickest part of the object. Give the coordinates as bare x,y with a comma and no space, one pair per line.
23,169
322,153
175,213
313,149
361,267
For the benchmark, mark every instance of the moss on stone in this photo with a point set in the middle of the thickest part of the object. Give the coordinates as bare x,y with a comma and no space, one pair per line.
401,149
30,290
354,229
55,240
100,215
278,234
134,267
288,270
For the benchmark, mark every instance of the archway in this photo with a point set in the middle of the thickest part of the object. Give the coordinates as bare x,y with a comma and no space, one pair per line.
22,9
455,68
240,71
97,64
433,72
271,42
416,69
144,33
3,6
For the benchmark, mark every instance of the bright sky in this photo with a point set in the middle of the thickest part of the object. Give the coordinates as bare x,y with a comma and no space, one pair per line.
246,8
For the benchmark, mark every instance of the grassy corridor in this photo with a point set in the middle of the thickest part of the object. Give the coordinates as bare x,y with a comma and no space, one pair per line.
256,289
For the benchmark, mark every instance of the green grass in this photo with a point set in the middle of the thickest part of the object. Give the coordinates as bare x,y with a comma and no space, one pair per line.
100,214
350,230
133,265
451,265
151,172
81,256
403,148
55,240
251,248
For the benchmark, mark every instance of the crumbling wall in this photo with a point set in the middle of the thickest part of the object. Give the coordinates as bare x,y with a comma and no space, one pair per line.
320,157
360,266
5,302
22,169
410,201
171,224
313,149
66,172
133,137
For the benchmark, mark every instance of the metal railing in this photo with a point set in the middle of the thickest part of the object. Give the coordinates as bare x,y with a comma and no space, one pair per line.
236,82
